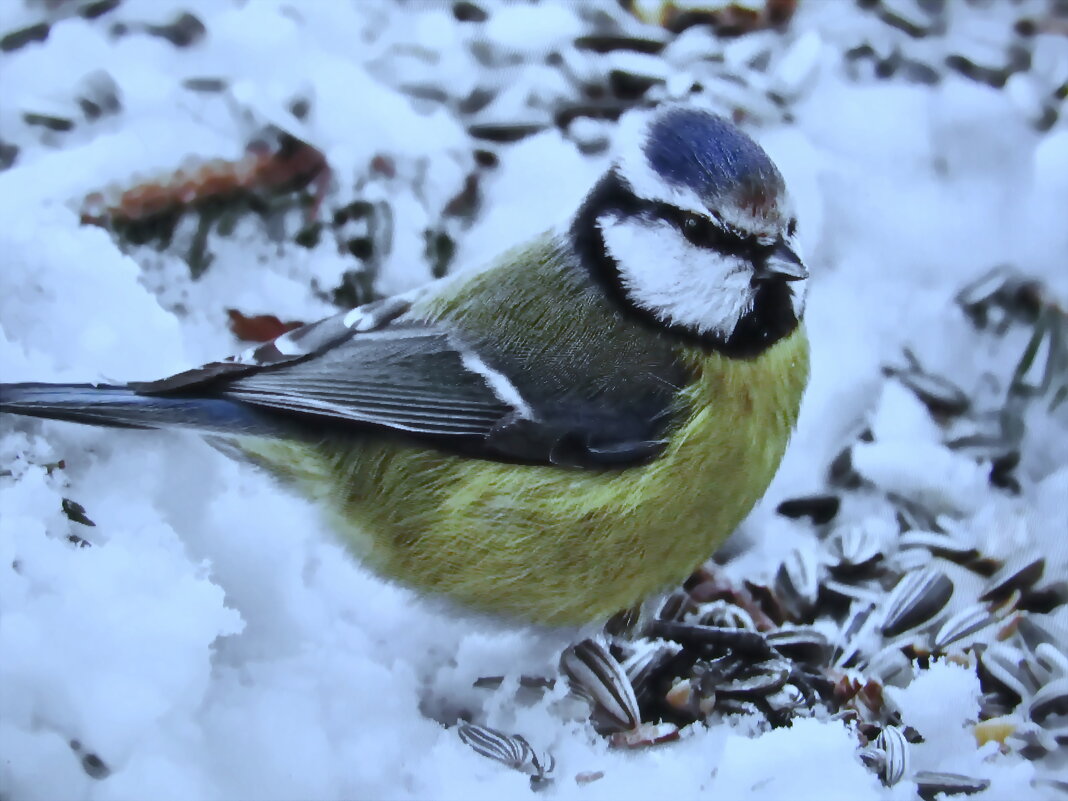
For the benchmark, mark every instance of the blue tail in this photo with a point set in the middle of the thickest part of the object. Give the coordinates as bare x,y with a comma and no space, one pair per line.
120,407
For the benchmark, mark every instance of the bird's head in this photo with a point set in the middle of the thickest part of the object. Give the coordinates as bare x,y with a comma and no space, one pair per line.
692,229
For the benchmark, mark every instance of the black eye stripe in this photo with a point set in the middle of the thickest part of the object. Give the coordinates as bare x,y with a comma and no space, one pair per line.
703,232
711,234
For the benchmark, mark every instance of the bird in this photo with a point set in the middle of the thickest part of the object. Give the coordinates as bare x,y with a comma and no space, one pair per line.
554,438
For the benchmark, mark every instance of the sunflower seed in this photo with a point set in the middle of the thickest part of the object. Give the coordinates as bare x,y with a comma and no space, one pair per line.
641,665
741,641
890,666
819,509
856,547
512,750
24,36
676,606
841,472
798,581
976,296
984,442
604,43
916,599
942,545
938,394
724,614
595,673
92,764
929,784
893,743
856,623
1016,574
913,515
965,622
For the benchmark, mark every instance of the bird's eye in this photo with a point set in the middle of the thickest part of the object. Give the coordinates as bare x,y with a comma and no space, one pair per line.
698,230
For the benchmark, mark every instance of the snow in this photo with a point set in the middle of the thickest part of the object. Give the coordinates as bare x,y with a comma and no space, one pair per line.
215,642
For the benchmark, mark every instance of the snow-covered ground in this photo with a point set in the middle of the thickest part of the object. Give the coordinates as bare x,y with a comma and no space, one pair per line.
207,638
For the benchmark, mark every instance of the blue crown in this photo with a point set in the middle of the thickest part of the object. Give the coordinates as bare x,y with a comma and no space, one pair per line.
705,153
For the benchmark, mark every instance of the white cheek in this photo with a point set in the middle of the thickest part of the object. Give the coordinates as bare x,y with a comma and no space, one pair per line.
798,289
678,282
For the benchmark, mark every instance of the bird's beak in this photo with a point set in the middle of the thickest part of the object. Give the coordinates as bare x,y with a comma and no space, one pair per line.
782,264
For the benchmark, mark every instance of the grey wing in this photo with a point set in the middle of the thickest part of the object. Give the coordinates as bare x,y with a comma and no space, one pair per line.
374,369
408,377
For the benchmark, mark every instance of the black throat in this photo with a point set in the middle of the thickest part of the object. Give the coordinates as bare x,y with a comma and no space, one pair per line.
772,317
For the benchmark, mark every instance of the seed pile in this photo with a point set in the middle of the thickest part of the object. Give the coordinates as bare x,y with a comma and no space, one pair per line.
862,606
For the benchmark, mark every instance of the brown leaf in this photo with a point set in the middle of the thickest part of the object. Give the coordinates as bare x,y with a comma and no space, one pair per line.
258,327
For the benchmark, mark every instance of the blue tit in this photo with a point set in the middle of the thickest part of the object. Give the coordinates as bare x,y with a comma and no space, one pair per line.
553,438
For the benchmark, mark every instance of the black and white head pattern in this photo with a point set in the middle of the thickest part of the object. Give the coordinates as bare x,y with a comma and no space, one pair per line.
693,230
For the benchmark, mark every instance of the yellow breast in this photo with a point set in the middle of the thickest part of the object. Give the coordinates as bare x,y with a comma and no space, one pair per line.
561,546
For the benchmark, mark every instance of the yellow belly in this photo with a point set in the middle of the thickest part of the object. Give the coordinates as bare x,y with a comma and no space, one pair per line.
560,546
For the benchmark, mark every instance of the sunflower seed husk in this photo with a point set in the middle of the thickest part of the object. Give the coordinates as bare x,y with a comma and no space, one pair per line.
512,750
788,699
913,515
595,673
929,784
939,395
1002,664
856,547
646,734
916,599
760,679
966,621
913,560
841,472
1050,702
854,592
642,665
874,759
737,706
1051,660
803,645
1035,372
893,743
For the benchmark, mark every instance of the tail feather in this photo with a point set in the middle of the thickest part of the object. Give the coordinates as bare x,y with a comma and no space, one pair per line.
121,407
